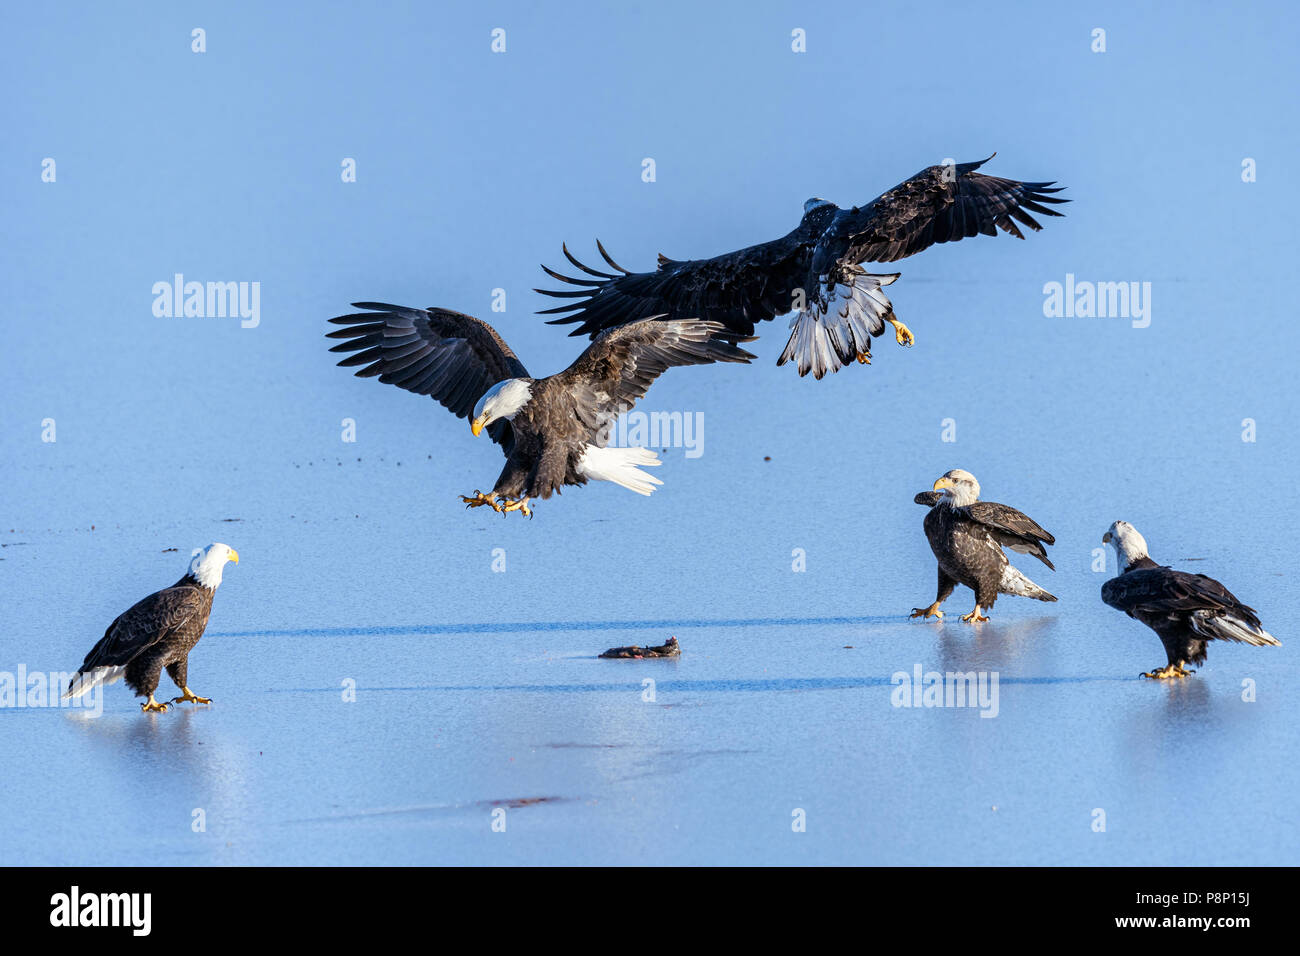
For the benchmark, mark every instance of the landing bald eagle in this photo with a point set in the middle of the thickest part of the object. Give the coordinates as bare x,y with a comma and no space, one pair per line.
157,632
1185,610
814,269
553,431
967,536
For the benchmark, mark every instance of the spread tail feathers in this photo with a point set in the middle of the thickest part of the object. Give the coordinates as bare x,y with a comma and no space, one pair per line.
83,681
832,332
620,465
1014,582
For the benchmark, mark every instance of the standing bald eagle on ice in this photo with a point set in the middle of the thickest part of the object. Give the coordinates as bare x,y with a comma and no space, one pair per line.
967,537
1186,611
553,431
157,632
814,269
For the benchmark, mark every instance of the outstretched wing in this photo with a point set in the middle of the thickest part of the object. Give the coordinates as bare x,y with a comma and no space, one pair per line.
622,363
938,204
1012,529
738,289
452,357
144,624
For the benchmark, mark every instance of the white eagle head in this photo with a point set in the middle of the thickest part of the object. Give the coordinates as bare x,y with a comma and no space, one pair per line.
207,563
502,400
959,488
1128,543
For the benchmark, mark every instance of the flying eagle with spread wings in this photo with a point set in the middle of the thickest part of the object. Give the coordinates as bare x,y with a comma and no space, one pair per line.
814,270
553,431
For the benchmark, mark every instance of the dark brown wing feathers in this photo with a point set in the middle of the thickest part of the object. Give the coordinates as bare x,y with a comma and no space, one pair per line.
1163,590
1012,529
940,204
738,288
448,355
144,624
622,363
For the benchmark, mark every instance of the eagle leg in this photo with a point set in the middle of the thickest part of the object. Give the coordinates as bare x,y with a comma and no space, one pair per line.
974,616
927,612
479,499
152,706
902,333
191,698
520,505
1167,672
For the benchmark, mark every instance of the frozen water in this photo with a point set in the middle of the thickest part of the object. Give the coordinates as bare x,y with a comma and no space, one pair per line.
478,689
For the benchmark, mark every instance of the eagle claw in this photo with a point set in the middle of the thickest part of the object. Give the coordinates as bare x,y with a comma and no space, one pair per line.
479,500
1165,673
927,612
191,698
902,333
152,706
974,617
517,504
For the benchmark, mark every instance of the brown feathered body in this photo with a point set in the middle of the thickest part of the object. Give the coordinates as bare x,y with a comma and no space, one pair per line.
155,633
967,542
1186,611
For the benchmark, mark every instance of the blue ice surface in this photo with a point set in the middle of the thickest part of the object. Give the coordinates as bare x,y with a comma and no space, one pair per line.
479,690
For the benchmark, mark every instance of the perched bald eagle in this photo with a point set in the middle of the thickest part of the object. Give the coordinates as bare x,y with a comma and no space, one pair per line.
967,536
158,632
814,269
1185,610
553,431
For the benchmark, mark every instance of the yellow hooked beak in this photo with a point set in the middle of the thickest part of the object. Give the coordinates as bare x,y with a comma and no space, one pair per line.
234,555
944,482
476,425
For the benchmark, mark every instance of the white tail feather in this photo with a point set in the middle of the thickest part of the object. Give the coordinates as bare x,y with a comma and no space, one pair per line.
620,465
1227,628
830,334
83,681
1015,582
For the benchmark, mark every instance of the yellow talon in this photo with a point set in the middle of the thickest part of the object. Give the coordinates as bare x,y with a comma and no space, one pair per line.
1167,672
191,698
902,333
974,617
864,358
927,612
152,706
479,499
520,505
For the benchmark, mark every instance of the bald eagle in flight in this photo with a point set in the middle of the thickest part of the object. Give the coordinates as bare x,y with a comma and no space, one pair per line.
814,270
967,537
157,632
1185,610
553,431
